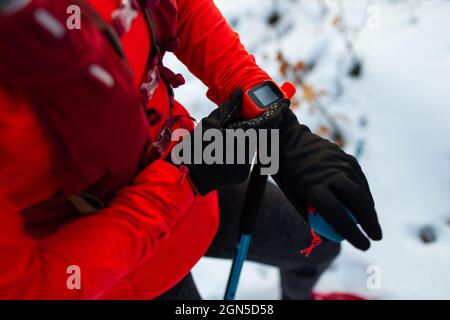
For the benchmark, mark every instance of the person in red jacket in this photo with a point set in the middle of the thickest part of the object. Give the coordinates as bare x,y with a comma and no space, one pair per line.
80,185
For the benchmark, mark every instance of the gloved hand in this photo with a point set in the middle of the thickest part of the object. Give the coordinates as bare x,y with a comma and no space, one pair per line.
314,171
207,177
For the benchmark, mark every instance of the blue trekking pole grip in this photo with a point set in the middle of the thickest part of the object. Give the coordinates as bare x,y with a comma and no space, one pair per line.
249,218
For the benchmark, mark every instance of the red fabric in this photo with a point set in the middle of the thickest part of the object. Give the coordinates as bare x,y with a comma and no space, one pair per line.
213,52
154,231
104,245
336,296
135,43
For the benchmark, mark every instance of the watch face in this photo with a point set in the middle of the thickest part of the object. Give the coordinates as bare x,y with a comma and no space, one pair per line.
265,94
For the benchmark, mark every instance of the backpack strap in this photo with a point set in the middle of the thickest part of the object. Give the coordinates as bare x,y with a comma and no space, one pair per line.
156,49
157,53
108,31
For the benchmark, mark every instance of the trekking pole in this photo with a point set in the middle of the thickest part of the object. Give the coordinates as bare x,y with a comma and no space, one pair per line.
256,185
249,217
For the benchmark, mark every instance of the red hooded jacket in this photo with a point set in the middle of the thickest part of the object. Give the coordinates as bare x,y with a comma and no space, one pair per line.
154,231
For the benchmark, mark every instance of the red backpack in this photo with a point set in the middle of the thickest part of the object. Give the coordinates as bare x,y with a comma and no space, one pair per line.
82,94
79,88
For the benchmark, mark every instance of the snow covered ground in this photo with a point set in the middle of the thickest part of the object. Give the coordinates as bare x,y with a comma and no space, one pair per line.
396,117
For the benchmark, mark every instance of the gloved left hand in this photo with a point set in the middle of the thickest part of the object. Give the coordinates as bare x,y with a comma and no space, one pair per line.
225,120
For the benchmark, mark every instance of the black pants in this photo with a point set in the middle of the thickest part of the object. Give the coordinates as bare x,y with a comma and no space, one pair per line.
280,234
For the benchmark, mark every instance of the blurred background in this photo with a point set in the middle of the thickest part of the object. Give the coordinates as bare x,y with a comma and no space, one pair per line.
373,76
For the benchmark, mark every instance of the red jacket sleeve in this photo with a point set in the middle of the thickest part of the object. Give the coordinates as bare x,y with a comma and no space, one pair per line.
105,246
213,52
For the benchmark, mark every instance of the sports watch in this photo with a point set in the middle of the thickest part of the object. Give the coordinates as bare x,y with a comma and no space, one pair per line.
263,95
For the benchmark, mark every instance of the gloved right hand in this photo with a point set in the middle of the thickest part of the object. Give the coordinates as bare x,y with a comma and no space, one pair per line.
207,177
316,172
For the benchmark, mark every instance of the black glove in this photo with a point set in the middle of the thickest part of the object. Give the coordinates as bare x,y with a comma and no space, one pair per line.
209,177
314,171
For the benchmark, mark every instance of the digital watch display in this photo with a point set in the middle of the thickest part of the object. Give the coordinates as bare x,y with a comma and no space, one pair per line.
262,96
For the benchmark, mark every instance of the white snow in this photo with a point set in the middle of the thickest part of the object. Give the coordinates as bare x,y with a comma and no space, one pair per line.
404,93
